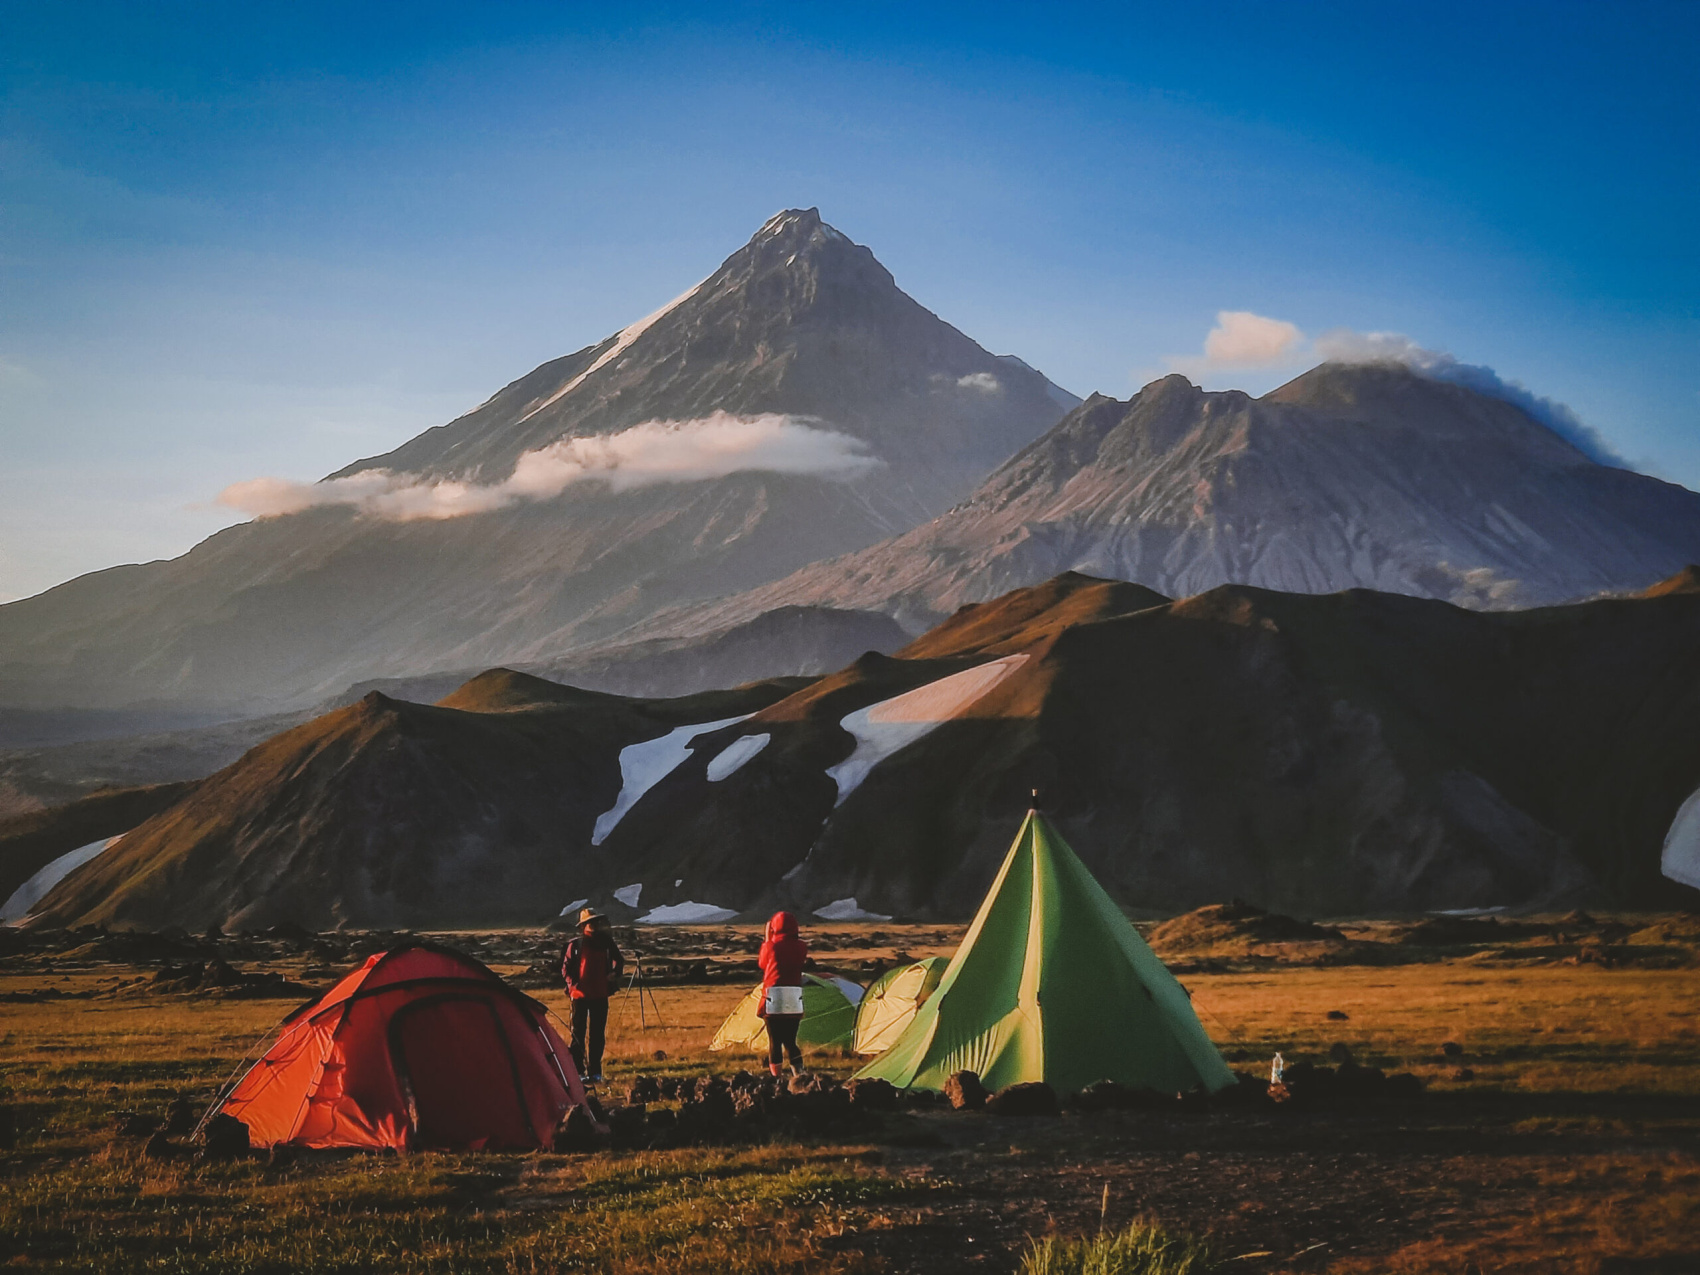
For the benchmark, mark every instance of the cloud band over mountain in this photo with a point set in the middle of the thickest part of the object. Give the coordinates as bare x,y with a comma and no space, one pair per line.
653,452
1244,341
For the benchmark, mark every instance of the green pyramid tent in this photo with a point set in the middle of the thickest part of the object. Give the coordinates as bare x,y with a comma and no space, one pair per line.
1053,983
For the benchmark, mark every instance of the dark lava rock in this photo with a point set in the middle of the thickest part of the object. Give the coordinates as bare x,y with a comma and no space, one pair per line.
1336,1015
159,1147
1030,1098
1340,1052
1403,1087
1452,1049
965,1091
644,1090
224,1138
627,1127
128,1124
1194,1101
181,1117
872,1095
1464,1073
577,1132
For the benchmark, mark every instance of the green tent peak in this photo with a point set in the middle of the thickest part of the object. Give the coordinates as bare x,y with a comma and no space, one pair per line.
1053,983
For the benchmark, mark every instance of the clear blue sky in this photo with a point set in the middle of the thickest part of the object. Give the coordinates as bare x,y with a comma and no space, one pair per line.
239,240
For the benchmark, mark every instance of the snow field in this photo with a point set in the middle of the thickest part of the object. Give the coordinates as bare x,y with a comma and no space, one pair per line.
882,729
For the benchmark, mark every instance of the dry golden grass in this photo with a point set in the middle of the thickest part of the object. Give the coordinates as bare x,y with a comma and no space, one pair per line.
1572,1147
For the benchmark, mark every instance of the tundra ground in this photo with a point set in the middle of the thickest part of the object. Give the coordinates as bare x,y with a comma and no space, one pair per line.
1561,1134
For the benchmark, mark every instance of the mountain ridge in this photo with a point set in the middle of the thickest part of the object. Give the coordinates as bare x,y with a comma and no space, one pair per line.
1368,475
799,326
1320,754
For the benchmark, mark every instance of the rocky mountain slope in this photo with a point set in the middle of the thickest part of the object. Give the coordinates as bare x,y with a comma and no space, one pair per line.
1316,754
858,414
1368,476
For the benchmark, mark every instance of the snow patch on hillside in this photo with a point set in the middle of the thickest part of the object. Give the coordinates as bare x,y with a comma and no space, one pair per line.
1681,858
630,894
644,765
33,891
847,910
622,342
735,754
882,729
687,914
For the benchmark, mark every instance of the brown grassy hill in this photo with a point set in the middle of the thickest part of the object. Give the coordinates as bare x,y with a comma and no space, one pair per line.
1685,581
388,814
29,842
1316,755
1319,755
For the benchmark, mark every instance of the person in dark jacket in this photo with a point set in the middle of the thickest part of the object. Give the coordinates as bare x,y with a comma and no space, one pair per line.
590,967
782,957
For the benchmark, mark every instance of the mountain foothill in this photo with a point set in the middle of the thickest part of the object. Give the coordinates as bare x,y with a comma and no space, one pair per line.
1372,642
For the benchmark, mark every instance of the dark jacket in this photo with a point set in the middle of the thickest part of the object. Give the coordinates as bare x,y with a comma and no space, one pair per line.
782,956
591,965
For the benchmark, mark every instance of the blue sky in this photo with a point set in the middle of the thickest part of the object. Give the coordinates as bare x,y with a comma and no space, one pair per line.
240,240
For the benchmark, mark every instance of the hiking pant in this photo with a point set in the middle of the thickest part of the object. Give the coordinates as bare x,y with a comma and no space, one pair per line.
782,1035
590,1033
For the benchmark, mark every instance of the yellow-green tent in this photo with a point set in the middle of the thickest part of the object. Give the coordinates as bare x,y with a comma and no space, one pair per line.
829,1017
1053,983
892,1000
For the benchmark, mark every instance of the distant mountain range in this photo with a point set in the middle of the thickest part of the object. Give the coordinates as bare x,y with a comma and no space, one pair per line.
1322,754
1368,475
793,405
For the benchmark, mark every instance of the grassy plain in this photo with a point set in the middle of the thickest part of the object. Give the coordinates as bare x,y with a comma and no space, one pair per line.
1573,1145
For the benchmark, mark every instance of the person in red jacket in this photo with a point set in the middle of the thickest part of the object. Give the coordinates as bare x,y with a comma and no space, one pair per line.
782,957
590,967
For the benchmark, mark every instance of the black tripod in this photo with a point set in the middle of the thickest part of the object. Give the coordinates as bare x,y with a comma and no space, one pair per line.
635,982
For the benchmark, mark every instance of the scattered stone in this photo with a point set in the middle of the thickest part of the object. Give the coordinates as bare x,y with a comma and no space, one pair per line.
1403,1086
1340,1052
627,1127
577,1133
224,1138
181,1117
965,1092
1030,1098
1194,1101
872,1095
1452,1049
159,1147
1464,1073
660,1055
128,1124
1337,1016
644,1090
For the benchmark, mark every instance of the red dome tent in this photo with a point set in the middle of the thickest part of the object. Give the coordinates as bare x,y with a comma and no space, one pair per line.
419,1047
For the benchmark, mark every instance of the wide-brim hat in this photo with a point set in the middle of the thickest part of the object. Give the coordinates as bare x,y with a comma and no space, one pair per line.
587,915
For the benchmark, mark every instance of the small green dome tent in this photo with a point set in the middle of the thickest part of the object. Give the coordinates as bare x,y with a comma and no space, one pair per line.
1053,983
891,1002
829,1017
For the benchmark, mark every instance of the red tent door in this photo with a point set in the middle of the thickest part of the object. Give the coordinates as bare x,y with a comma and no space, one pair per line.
457,1067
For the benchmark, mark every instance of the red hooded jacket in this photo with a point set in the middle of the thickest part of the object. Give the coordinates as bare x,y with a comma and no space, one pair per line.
782,955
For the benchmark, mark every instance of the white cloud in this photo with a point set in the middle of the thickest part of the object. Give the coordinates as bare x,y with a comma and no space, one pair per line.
985,382
1242,340
653,452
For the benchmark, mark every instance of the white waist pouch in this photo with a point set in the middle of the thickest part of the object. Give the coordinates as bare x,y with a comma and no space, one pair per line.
784,1000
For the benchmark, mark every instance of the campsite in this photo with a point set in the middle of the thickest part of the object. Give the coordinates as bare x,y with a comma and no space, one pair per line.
1558,1055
